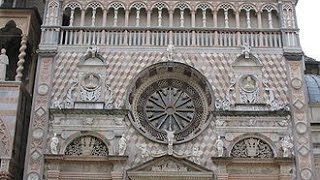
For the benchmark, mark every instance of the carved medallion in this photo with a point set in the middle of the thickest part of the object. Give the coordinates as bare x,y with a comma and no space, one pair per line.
296,83
248,83
251,148
91,87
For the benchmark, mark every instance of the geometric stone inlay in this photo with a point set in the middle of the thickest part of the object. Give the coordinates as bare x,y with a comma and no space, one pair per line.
298,104
35,155
40,111
306,174
301,127
303,150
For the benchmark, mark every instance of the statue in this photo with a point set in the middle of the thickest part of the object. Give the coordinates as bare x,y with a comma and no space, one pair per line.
249,84
122,145
246,50
170,139
219,145
54,144
286,146
92,81
144,150
170,51
4,61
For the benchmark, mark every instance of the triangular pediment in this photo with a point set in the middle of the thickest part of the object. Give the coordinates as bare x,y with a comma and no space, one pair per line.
169,167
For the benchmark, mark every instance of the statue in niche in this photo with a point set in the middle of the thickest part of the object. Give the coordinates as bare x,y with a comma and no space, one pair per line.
219,145
286,146
122,145
54,144
4,61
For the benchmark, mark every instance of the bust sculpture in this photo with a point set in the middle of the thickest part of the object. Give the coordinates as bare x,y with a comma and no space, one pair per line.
122,145
219,145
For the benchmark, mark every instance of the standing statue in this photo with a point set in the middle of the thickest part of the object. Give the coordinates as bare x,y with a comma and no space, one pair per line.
219,145
286,146
170,139
122,145
170,51
54,144
4,61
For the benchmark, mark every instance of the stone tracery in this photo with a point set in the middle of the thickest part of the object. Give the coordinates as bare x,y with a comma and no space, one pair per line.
87,146
251,148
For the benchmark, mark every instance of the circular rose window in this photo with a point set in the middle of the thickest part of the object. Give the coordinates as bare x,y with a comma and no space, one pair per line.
170,101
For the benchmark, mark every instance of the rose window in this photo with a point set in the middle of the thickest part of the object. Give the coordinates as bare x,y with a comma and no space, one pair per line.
170,101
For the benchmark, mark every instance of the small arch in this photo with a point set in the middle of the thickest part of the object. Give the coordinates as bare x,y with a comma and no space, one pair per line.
138,14
94,5
160,6
269,7
117,5
263,143
247,7
73,5
138,5
86,144
225,6
53,4
204,15
182,6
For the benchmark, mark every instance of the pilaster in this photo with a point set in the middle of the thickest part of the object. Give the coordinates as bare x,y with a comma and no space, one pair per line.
37,137
301,125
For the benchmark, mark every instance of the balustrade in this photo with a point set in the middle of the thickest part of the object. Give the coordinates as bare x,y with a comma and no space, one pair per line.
179,37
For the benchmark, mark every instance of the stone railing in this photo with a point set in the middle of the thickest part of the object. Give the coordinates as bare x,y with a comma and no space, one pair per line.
199,37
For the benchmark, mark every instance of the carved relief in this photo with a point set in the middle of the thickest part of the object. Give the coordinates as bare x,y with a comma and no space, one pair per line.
4,139
251,148
169,166
87,146
90,89
249,91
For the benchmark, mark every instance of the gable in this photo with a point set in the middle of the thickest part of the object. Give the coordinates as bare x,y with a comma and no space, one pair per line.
169,167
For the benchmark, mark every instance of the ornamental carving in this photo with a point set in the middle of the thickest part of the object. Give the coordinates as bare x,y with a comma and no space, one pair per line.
170,102
249,91
4,139
87,146
169,166
90,89
251,148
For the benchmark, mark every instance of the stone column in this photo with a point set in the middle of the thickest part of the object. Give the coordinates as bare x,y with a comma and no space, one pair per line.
38,128
259,20
170,18
237,19
193,18
21,57
300,125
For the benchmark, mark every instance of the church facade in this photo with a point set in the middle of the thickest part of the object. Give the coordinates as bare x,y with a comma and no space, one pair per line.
171,90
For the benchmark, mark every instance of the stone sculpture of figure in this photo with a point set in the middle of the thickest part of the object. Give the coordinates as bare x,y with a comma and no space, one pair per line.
286,146
219,145
93,51
4,61
122,145
54,144
246,50
249,84
170,137
144,150
170,51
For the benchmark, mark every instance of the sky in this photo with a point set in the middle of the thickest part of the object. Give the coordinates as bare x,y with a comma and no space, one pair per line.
309,24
